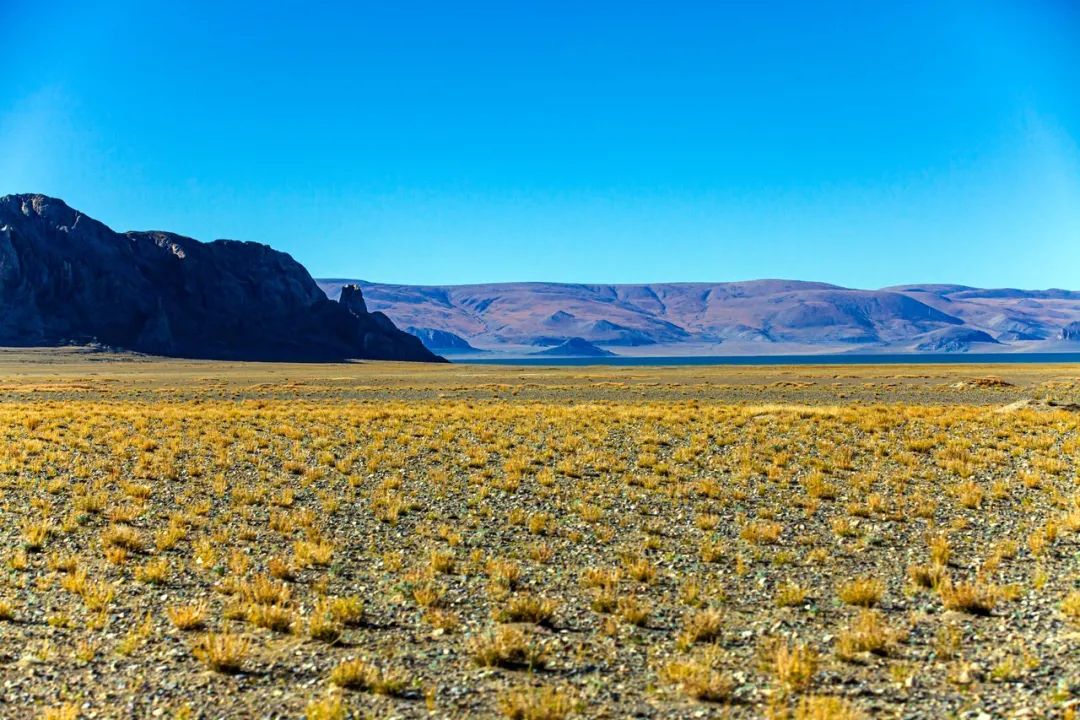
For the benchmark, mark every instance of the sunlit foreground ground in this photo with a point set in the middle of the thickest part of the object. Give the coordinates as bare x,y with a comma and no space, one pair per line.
185,539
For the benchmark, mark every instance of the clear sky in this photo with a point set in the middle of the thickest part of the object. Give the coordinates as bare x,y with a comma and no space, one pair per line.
862,143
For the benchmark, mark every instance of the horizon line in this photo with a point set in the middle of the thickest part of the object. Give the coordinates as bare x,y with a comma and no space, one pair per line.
914,286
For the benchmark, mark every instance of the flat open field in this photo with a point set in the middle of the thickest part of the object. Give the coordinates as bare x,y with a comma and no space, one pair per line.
204,540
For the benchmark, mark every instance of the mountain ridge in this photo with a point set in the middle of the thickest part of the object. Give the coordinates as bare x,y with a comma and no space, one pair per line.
745,317
66,278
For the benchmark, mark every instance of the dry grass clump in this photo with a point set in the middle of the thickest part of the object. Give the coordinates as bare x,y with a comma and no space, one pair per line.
546,703
970,494
347,610
1070,606
35,534
824,707
927,576
604,578
154,572
762,532
504,573
971,597
329,708
641,570
313,554
357,674
869,633
272,617
188,617
793,664
790,594
863,592
701,678
330,616
67,711
526,608
442,561
713,551
281,569
262,590
604,600
428,595
322,625
702,626
507,647
222,652
940,551
123,537
817,487
632,611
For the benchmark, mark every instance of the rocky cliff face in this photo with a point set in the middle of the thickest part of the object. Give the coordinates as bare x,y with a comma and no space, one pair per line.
66,278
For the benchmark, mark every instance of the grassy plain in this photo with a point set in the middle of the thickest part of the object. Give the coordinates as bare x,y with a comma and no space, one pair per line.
204,540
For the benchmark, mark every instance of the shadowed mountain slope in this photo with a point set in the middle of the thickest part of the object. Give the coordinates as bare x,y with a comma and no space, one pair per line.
66,278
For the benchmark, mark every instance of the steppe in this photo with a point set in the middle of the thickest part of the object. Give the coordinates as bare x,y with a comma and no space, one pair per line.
186,539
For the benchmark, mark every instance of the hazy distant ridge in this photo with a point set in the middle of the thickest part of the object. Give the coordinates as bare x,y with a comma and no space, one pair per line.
760,316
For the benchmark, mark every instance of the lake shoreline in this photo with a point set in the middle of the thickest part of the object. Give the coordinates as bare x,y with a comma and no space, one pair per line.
860,359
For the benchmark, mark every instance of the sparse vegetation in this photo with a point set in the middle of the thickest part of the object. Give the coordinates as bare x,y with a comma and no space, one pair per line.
969,597
702,677
188,617
358,674
540,704
687,536
868,634
222,652
864,592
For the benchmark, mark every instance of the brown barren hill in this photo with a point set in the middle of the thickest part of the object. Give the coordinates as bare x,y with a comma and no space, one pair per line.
751,318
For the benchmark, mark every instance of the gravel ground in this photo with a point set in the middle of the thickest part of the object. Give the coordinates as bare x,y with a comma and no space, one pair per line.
728,542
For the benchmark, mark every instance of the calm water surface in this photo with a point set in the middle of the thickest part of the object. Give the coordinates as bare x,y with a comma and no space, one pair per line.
894,359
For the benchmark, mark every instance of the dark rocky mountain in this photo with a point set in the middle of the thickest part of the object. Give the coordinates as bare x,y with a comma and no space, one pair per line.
66,278
757,317
575,347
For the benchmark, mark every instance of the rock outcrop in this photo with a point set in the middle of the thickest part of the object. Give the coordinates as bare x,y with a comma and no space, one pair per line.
1071,332
953,340
440,340
353,298
575,347
66,278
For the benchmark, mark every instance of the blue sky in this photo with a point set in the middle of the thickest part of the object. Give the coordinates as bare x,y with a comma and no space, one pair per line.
862,143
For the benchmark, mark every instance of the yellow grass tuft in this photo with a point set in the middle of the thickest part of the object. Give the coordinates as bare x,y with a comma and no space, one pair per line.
224,653
970,597
863,592
546,703
357,674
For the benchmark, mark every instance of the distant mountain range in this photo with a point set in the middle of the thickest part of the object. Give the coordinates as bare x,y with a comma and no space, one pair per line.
751,318
66,278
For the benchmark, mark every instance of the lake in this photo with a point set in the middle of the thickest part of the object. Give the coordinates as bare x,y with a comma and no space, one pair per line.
886,359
